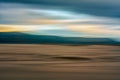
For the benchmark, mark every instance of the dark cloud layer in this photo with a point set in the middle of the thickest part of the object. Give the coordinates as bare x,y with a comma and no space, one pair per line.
106,8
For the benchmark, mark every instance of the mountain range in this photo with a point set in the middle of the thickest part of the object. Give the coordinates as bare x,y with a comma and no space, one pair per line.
22,38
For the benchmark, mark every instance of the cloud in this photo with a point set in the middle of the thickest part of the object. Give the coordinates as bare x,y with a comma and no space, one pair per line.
14,13
106,8
95,30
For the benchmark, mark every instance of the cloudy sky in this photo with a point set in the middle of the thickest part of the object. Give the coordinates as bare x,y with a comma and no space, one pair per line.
81,18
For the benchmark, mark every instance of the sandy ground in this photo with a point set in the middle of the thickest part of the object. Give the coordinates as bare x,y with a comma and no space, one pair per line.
57,62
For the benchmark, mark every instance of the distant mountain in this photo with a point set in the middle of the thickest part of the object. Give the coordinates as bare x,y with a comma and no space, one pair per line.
21,38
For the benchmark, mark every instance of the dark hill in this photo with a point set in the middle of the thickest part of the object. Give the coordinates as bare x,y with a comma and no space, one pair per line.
21,38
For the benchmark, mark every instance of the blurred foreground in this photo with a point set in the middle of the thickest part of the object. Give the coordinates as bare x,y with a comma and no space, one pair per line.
58,62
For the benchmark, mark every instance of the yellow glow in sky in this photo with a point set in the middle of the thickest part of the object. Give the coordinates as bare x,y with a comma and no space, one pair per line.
88,29
16,28
93,29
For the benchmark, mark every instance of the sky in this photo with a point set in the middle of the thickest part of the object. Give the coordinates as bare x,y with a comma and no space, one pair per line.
76,18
